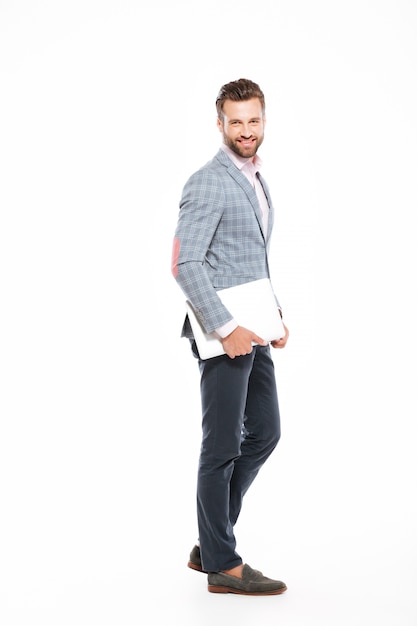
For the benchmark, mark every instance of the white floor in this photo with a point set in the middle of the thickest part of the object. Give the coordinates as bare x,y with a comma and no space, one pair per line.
339,580
336,593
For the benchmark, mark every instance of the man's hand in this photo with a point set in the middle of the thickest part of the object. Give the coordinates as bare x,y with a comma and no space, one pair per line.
239,342
280,343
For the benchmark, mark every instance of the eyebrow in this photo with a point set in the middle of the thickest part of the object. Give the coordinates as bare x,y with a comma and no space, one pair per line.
251,119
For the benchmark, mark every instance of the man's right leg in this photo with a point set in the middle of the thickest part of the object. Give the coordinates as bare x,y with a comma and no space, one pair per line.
224,384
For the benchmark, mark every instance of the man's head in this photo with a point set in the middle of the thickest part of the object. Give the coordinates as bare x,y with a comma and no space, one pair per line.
241,116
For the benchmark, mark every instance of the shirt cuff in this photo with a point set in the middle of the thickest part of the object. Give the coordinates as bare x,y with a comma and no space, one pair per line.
226,329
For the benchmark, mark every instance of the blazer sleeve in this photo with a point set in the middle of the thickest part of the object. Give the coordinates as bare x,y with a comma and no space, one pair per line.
201,209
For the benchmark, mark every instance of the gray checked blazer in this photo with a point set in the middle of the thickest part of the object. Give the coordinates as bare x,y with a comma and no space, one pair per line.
219,241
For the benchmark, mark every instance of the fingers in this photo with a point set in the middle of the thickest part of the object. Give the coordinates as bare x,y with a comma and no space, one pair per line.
279,343
259,340
241,341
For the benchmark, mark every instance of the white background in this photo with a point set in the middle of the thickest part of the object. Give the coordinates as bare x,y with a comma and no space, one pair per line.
106,108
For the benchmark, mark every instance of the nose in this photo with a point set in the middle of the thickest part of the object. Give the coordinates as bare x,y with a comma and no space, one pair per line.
246,131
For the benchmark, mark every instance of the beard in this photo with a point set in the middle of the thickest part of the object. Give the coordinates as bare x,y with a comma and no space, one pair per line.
237,148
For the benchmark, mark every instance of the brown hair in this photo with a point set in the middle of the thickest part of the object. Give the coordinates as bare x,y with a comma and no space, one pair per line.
238,90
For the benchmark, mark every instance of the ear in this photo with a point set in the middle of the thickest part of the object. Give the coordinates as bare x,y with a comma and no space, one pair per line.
219,124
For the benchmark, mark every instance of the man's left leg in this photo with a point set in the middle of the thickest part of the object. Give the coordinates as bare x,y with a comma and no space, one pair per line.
261,429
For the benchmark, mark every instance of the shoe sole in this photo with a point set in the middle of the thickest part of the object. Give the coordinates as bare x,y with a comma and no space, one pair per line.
196,567
220,589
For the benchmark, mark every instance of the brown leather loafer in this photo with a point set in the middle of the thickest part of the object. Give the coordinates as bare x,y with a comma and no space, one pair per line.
195,560
252,583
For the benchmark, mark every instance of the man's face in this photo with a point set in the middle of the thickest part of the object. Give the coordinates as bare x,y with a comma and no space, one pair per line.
242,126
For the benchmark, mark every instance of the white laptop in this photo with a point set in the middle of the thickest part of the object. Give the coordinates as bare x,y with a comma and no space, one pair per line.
252,305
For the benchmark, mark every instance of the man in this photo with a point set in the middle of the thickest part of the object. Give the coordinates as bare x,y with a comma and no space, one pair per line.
221,240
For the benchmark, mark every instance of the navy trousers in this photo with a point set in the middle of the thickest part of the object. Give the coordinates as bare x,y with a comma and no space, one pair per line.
240,429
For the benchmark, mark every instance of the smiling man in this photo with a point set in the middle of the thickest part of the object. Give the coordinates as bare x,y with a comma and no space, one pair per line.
222,240
242,126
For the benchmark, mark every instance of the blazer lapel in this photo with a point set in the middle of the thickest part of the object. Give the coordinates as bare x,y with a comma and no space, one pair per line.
241,180
269,200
